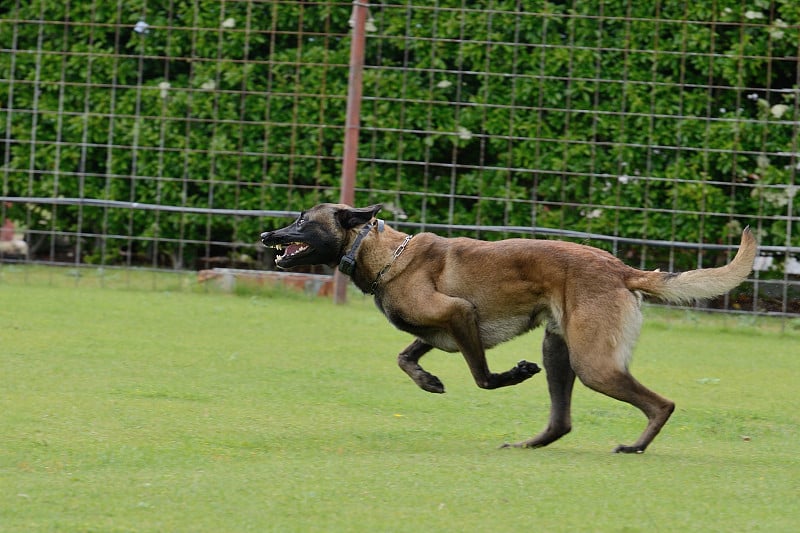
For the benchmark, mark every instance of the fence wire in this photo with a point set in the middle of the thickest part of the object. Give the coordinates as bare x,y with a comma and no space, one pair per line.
169,135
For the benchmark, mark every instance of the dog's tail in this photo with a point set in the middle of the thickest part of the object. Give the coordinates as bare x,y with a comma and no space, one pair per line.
699,284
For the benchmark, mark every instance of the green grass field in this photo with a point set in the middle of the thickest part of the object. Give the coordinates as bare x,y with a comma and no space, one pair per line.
182,409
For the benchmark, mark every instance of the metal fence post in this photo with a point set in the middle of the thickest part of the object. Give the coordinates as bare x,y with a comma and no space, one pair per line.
350,158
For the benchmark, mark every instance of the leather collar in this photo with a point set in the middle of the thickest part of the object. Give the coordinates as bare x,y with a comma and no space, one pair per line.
347,265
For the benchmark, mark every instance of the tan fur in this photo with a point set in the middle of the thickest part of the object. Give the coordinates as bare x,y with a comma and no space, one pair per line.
700,284
467,295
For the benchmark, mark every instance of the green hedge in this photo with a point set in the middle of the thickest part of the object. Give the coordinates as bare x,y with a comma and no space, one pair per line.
596,104
239,109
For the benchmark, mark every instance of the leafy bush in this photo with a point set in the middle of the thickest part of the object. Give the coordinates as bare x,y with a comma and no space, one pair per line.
673,123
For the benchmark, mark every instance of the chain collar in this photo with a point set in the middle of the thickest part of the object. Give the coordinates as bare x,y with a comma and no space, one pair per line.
383,271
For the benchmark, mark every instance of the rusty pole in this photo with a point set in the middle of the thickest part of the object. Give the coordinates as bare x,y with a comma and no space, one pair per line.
352,125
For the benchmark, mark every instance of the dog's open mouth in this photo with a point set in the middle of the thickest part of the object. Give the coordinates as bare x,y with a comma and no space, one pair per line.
290,250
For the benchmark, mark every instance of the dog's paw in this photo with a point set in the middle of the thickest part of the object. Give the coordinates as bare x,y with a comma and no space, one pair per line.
628,449
527,369
431,383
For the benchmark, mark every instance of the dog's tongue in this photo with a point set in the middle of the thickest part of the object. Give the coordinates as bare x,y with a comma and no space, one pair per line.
293,249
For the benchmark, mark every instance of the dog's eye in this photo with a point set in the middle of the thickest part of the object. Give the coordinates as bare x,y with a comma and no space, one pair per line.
300,220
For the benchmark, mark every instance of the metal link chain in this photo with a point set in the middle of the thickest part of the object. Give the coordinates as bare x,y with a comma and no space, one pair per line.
383,271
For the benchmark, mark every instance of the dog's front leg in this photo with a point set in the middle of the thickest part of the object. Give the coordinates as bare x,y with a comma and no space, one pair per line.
466,332
408,360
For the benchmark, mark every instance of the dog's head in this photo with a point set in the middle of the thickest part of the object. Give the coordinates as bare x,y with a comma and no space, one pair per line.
319,236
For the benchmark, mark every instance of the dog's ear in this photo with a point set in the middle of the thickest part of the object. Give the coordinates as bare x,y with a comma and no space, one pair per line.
356,216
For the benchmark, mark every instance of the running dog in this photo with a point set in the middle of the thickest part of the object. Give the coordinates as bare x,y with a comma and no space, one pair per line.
465,295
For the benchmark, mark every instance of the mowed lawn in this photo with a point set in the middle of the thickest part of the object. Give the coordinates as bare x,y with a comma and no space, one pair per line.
185,410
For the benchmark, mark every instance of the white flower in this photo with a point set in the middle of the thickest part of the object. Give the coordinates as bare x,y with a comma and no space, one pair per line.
752,15
210,85
164,87
142,27
776,30
778,110
229,22
444,84
463,133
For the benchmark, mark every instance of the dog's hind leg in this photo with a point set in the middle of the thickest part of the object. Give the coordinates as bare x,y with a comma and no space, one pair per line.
560,381
657,409
408,360
622,386
600,359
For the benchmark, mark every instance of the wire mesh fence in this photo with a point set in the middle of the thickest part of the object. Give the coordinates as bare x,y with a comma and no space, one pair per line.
169,135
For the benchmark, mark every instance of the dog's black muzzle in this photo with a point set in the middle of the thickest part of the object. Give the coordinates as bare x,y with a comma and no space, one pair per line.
278,236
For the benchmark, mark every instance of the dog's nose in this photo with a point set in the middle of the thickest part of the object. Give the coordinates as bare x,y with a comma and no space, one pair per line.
265,235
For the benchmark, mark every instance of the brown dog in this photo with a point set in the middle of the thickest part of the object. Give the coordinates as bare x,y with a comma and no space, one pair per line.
467,295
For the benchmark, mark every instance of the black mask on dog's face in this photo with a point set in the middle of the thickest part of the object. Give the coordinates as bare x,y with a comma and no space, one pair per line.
318,236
